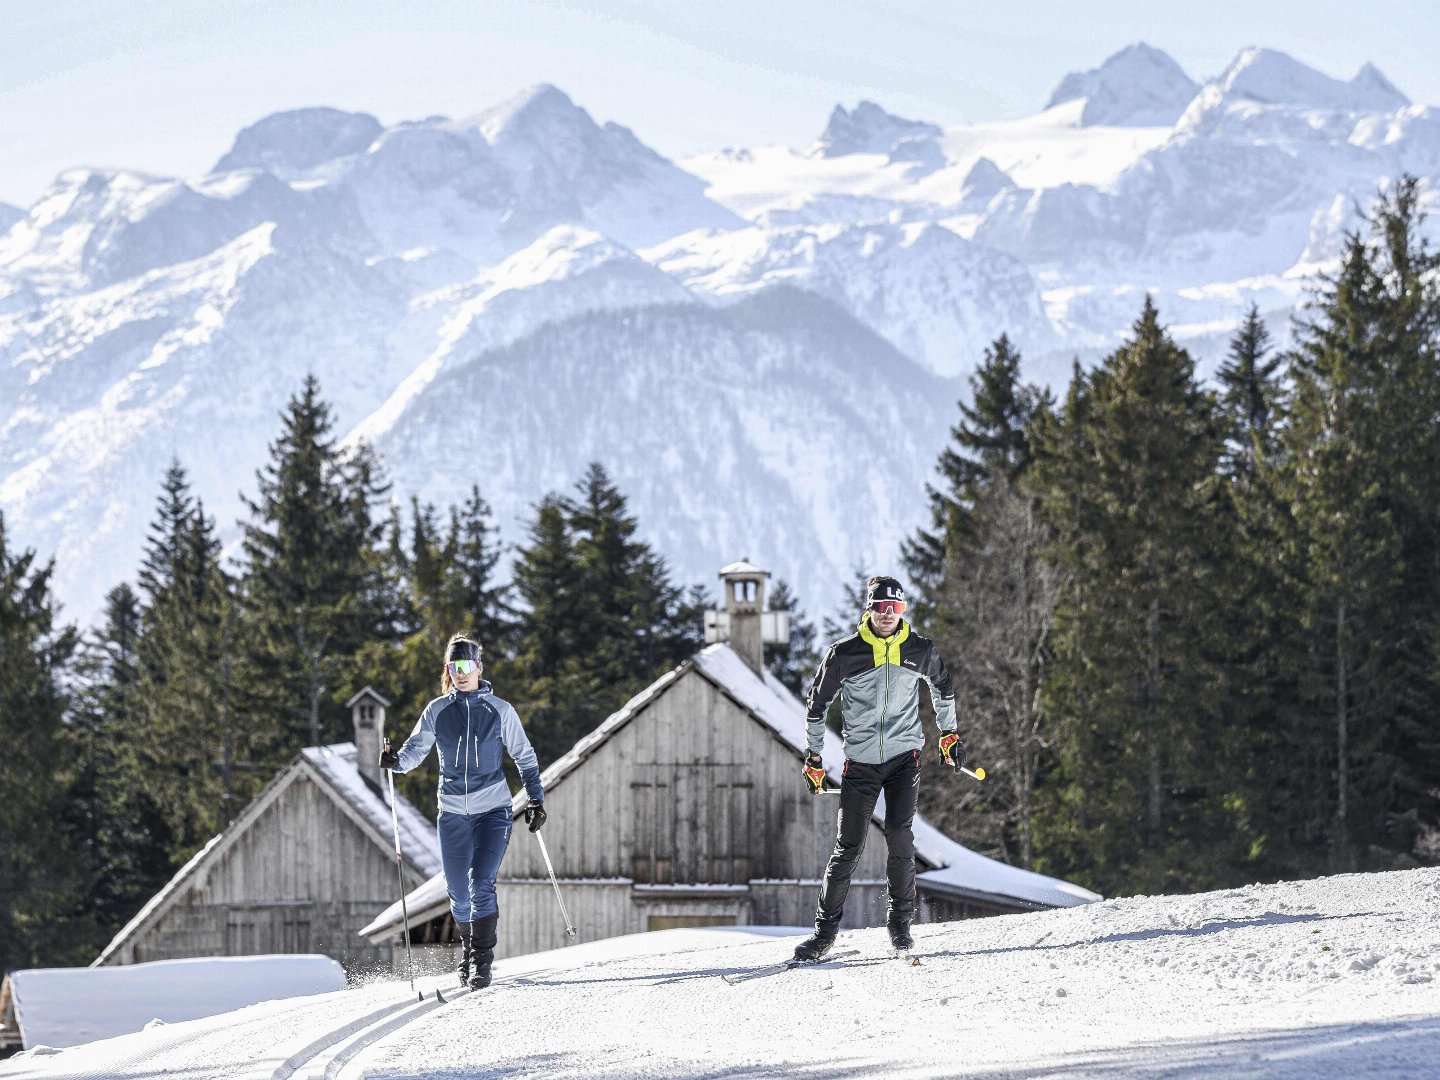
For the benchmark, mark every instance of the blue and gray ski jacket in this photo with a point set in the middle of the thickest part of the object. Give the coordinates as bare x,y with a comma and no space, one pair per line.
469,730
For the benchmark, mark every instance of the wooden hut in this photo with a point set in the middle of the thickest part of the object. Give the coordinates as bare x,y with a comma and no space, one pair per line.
686,808
311,858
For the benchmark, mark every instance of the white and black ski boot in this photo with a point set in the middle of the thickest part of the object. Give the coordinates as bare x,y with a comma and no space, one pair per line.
900,940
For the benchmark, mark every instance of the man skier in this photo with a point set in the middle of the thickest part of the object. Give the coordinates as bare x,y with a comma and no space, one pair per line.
878,671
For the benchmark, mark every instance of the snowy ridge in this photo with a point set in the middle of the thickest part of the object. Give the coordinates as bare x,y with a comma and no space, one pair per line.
144,317
934,296
1337,977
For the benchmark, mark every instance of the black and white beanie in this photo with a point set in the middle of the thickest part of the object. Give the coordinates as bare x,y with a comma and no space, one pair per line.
883,588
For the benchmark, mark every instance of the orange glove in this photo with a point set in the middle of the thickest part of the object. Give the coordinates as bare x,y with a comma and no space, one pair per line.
952,750
814,773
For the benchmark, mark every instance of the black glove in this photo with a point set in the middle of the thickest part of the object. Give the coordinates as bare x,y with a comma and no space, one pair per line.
814,773
535,815
389,756
952,751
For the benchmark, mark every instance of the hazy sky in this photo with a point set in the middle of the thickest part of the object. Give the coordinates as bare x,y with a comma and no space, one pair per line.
162,86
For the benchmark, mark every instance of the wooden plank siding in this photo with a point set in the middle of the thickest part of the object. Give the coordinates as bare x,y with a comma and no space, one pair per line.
300,878
692,791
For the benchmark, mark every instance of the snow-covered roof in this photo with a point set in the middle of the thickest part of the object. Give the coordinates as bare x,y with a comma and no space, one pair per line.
958,870
335,767
744,566
418,842
70,1006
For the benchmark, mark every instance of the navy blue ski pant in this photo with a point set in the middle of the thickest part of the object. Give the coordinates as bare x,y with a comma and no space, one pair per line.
471,847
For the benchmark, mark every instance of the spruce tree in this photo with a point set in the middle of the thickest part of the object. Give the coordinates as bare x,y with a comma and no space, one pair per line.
603,618
314,591
475,595
194,740
794,662
42,875
1261,654
1137,804
1362,461
111,813
990,441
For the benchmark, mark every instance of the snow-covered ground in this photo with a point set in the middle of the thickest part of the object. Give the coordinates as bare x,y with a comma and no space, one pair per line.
1338,977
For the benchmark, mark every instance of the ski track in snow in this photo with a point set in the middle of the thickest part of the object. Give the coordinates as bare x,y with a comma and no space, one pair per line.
1338,977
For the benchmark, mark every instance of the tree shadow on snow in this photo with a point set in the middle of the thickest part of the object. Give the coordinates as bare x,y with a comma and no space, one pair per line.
1270,918
539,1066
1388,1050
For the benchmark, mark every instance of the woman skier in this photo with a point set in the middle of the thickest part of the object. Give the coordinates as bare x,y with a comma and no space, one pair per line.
469,726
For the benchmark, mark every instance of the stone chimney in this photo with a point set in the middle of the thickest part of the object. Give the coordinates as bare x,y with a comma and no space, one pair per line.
367,712
744,623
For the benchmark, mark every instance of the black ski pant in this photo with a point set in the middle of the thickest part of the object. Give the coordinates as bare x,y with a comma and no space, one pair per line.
899,779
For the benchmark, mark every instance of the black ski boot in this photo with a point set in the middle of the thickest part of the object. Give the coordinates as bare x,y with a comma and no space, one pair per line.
816,945
486,934
900,939
467,950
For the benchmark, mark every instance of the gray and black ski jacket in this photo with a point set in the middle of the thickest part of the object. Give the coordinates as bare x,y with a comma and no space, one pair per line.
469,730
878,680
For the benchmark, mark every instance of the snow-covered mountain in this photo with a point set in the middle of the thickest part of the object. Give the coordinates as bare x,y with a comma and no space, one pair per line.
510,257
931,294
868,130
1337,977
1137,87
777,424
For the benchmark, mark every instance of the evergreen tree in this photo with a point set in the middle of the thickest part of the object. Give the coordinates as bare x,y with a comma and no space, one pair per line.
1262,658
603,618
314,591
1250,392
110,811
42,876
990,441
843,621
478,600
1362,464
192,743
793,663
1137,804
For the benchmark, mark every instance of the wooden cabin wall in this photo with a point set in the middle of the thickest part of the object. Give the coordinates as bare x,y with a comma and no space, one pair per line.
691,791
302,878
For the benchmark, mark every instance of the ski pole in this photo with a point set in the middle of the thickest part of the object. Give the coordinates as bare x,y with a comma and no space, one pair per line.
569,929
400,875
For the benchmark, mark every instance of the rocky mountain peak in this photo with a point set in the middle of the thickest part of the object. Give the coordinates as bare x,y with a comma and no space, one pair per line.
536,109
868,130
987,179
1140,86
1272,77
300,139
